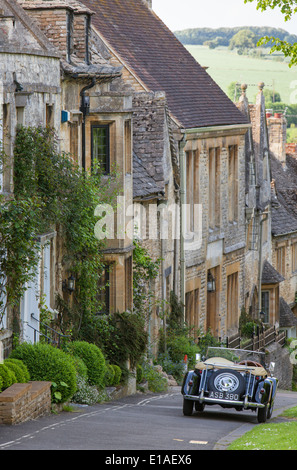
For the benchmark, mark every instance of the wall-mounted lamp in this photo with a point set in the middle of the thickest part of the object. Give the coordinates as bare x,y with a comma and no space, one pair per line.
69,284
211,283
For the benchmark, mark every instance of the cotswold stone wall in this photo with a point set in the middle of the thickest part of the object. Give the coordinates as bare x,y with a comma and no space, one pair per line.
22,402
283,366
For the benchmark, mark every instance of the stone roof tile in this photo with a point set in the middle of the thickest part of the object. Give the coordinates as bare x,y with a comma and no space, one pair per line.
270,275
144,185
162,63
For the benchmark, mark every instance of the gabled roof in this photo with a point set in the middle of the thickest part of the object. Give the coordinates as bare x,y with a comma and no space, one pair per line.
270,275
162,63
287,317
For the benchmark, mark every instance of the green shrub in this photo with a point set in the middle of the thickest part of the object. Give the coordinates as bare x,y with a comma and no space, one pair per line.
177,369
93,359
156,382
21,364
1,384
117,374
139,373
85,394
19,374
80,367
179,346
248,329
8,376
48,363
109,375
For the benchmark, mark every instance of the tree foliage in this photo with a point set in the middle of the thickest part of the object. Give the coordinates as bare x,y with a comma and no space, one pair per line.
223,36
244,39
287,45
51,192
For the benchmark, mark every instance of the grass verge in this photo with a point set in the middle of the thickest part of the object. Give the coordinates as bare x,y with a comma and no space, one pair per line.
271,436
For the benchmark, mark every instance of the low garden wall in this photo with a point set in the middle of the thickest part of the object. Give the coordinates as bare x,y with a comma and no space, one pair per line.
24,401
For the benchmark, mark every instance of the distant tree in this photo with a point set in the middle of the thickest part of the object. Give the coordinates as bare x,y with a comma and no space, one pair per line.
286,45
272,96
244,39
213,43
234,91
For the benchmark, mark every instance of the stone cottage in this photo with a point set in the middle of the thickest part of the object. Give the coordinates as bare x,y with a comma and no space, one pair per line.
29,89
270,279
96,126
195,156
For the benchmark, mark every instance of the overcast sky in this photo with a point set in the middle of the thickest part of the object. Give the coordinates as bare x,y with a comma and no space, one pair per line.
183,14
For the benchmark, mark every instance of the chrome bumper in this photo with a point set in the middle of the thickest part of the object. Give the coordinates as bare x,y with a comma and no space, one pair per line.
219,401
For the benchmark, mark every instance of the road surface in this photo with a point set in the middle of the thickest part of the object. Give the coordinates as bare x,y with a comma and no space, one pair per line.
142,422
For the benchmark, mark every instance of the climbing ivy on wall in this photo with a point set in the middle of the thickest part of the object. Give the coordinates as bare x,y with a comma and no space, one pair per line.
52,192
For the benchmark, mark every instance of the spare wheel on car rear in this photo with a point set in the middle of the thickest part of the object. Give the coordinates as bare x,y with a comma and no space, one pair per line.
227,381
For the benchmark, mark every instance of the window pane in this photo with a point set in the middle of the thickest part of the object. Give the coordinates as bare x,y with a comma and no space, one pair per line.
100,146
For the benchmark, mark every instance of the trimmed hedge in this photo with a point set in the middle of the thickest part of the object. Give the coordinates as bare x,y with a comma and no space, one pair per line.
93,359
117,374
21,364
8,377
47,363
19,374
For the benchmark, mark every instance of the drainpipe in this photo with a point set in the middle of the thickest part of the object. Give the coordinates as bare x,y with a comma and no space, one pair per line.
265,214
84,108
182,163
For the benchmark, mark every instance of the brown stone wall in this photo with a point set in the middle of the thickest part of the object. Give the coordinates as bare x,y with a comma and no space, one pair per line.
22,402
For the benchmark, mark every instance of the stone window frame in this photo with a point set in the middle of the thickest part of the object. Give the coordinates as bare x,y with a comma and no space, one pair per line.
214,186
97,125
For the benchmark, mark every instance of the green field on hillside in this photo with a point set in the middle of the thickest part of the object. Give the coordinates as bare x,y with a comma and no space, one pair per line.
226,66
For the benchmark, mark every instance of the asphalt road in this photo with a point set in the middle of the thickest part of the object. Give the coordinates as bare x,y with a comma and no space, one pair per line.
142,422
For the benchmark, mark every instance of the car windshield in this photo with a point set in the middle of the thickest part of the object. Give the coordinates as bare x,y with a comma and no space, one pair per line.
236,355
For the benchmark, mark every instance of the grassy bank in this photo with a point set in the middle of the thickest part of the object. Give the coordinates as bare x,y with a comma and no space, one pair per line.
227,66
271,436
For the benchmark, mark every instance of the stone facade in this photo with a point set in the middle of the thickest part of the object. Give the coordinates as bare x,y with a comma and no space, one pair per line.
29,87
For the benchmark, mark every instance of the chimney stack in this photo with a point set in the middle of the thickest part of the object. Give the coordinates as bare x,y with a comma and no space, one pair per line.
277,131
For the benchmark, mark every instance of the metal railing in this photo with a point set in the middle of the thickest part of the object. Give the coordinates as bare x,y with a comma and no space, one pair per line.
52,336
260,339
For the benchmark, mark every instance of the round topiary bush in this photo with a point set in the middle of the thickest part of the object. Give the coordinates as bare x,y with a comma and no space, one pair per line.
8,376
48,363
109,375
19,374
117,374
93,359
21,364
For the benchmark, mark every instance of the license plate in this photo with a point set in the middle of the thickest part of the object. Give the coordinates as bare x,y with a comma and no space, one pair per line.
224,396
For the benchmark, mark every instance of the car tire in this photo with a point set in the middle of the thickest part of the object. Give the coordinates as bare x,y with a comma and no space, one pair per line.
234,378
188,407
262,414
269,411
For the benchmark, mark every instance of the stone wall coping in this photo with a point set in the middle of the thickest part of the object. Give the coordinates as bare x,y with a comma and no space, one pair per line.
16,390
39,387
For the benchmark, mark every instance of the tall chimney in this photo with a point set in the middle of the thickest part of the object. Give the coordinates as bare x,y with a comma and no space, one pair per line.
277,131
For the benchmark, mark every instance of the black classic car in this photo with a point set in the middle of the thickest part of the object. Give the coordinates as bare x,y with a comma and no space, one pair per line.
231,378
